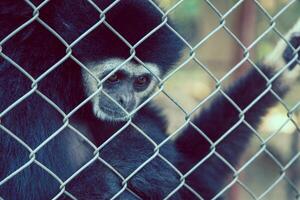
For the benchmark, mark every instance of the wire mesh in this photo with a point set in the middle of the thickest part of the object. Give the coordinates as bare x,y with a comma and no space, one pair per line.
192,57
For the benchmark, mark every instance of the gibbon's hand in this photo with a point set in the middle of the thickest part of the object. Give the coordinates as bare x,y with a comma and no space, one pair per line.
293,54
286,53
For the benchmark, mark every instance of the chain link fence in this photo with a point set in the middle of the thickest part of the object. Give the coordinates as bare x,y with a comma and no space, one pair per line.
229,188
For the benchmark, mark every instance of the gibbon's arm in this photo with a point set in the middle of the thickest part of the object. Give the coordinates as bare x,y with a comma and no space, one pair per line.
221,116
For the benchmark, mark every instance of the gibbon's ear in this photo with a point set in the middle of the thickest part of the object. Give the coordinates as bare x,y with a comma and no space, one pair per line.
290,53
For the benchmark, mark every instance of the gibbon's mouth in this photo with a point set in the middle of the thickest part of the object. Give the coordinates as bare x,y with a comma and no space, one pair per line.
112,114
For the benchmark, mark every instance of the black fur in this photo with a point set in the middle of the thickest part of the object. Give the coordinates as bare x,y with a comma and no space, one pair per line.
34,120
289,53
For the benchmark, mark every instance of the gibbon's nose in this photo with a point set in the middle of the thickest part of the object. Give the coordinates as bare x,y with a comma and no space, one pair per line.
127,101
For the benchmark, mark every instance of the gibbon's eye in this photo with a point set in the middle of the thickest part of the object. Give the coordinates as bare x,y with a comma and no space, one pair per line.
114,78
141,81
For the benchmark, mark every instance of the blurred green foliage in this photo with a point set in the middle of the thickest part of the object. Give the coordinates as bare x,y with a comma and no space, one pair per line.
190,14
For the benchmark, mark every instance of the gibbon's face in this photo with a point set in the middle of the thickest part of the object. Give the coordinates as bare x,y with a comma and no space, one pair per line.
128,86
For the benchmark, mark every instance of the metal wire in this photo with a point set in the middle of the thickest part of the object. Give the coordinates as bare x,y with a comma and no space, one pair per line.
222,18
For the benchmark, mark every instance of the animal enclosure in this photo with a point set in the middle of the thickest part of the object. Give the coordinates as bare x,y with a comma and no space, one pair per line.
221,44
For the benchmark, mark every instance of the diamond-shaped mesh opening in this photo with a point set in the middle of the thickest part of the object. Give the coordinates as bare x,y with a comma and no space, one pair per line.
7,10
224,7
269,169
118,142
14,93
106,175
20,44
29,173
25,112
55,86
